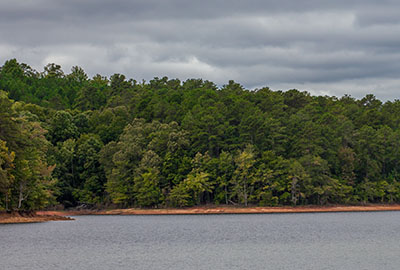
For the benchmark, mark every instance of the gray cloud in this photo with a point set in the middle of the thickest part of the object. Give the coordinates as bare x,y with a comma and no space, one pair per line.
325,47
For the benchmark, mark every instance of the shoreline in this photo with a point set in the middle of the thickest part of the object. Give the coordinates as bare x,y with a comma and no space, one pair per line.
17,218
48,215
215,210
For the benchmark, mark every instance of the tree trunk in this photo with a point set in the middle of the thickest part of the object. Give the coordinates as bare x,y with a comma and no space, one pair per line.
21,196
226,195
7,201
294,190
245,194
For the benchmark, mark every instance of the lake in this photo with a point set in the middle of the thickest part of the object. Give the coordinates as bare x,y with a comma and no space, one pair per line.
265,241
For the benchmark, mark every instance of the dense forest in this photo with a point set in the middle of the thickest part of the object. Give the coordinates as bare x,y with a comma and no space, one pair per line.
67,140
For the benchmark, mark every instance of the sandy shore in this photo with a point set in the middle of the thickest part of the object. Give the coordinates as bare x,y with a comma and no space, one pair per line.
226,210
29,218
43,216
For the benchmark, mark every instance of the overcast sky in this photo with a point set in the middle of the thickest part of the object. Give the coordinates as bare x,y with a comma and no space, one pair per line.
324,47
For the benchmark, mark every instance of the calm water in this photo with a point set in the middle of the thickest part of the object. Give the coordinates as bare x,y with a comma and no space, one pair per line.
277,241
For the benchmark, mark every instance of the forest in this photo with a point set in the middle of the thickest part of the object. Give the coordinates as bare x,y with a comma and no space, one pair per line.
67,140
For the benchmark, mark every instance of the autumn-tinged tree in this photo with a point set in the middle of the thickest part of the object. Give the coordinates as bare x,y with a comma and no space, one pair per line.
6,176
26,180
244,174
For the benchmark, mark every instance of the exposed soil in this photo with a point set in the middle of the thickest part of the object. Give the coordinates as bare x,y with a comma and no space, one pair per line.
225,210
43,216
29,217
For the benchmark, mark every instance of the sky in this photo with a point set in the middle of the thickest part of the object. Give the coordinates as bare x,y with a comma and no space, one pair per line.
323,47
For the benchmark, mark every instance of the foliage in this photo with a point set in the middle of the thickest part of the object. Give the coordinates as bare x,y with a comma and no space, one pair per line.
69,139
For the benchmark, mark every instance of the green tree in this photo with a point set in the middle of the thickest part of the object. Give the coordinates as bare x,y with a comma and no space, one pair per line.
296,176
136,152
225,170
66,171
147,188
90,186
62,127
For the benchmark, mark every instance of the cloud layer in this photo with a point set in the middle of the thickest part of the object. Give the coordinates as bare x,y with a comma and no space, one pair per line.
325,47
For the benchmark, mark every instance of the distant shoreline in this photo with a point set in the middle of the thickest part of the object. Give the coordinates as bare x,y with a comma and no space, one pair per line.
19,217
43,216
210,210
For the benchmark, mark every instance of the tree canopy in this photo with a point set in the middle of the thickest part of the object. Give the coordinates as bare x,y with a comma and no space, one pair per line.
67,139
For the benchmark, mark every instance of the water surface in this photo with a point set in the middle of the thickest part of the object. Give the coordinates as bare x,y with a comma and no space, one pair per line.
265,241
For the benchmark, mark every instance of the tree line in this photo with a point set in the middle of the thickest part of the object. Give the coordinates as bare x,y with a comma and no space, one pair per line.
67,139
